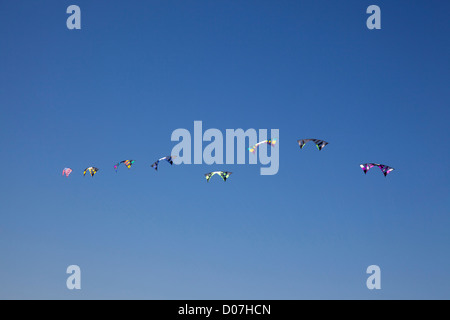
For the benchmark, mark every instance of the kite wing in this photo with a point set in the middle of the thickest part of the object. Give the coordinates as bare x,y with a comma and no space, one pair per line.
367,166
127,163
385,169
319,143
225,175
209,175
155,165
67,172
170,159
92,171
302,143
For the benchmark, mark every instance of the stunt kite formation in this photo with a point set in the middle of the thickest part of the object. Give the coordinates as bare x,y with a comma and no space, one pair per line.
225,174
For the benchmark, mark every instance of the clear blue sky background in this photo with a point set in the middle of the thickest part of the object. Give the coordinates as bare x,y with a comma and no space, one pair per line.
137,70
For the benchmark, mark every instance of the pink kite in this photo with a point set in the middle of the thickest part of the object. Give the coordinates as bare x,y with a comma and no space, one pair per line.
67,172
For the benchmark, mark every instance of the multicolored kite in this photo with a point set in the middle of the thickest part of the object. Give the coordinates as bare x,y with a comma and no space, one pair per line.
385,169
92,171
67,172
223,174
127,163
169,159
269,142
319,143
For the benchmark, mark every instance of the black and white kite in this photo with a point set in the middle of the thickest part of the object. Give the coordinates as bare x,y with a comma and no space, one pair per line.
319,143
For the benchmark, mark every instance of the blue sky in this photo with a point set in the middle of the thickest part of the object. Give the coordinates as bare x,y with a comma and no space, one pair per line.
138,70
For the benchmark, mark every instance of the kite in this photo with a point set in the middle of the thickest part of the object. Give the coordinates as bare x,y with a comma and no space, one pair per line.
128,163
269,142
385,169
91,170
168,159
224,174
319,143
67,172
